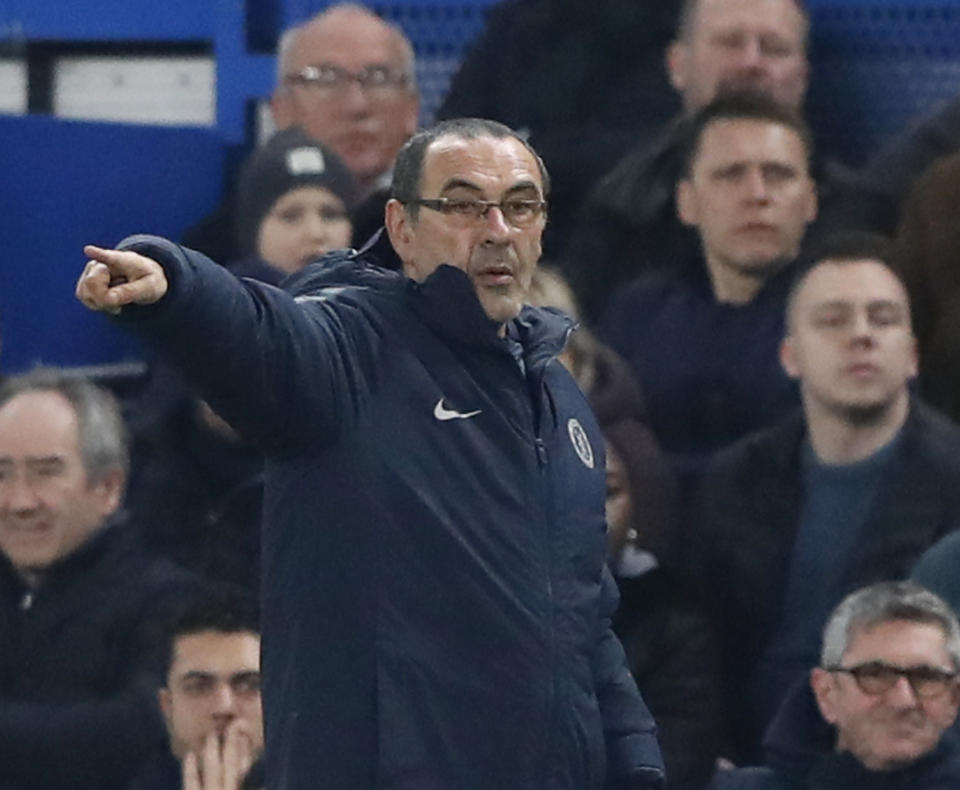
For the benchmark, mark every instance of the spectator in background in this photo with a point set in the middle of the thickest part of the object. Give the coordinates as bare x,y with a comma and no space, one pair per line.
629,219
293,202
210,696
875,714
852,491
77,595
704,338
346,78
584,79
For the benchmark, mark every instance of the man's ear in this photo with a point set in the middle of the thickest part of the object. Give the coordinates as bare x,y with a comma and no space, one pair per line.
110,491
399,227
675,59
824,691
281,108
788,358
686,203
164,702
914,357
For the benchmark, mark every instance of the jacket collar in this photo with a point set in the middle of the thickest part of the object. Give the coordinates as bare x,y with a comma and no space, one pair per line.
447,302
111,539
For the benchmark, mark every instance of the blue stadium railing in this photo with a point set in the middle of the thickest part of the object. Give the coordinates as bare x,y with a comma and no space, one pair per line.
876,65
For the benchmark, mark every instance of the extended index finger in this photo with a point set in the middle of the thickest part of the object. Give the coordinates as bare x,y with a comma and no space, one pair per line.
121,262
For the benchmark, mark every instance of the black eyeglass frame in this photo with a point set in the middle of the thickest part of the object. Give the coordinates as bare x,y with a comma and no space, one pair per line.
476,209
915,676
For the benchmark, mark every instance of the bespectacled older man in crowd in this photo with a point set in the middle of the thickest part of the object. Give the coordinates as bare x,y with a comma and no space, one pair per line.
347,78
876,712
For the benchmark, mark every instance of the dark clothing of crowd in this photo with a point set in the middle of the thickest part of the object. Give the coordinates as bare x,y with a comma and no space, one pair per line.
751,506
77,694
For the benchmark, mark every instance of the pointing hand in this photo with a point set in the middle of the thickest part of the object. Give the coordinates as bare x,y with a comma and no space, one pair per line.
114,278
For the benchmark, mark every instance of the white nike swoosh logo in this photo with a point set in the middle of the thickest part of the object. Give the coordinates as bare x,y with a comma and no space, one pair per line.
443,414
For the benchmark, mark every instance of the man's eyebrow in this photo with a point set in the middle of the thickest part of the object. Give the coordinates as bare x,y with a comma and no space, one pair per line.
522,186
833,304
45,460
460,183
199,674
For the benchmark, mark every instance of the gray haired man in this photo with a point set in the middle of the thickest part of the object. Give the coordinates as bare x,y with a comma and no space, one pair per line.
877,710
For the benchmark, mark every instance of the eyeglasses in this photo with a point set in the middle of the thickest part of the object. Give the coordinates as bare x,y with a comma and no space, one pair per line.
518,212
327,79
876,677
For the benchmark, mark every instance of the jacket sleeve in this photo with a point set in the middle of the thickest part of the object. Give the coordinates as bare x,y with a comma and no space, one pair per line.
633,754
280,371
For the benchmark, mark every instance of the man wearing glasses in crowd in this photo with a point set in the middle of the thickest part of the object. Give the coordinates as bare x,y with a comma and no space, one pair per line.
876,712
347,78
436,603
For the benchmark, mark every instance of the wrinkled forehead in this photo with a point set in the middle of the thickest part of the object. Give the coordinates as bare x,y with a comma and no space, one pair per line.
350,42
780,17
730,140
490,165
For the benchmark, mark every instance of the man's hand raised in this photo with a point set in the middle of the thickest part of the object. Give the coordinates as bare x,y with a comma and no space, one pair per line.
114,278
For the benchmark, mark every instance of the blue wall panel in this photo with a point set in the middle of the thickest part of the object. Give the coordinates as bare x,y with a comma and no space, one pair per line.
65,184
80,20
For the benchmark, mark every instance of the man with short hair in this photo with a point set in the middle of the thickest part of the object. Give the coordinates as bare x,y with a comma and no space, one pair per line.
877,710
852,490
210,697
76,593
347,78
629,219
436,605
704,339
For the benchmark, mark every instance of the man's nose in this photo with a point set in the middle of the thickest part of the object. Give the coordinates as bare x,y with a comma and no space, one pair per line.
496,226
901,694
224,700
354,97
750,56
317,227
19,495
862,328
756,185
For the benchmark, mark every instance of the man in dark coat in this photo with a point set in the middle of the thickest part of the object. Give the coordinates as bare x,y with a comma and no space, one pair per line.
629,220
436,605
76,594
851,491
210,697
704,339
875,714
